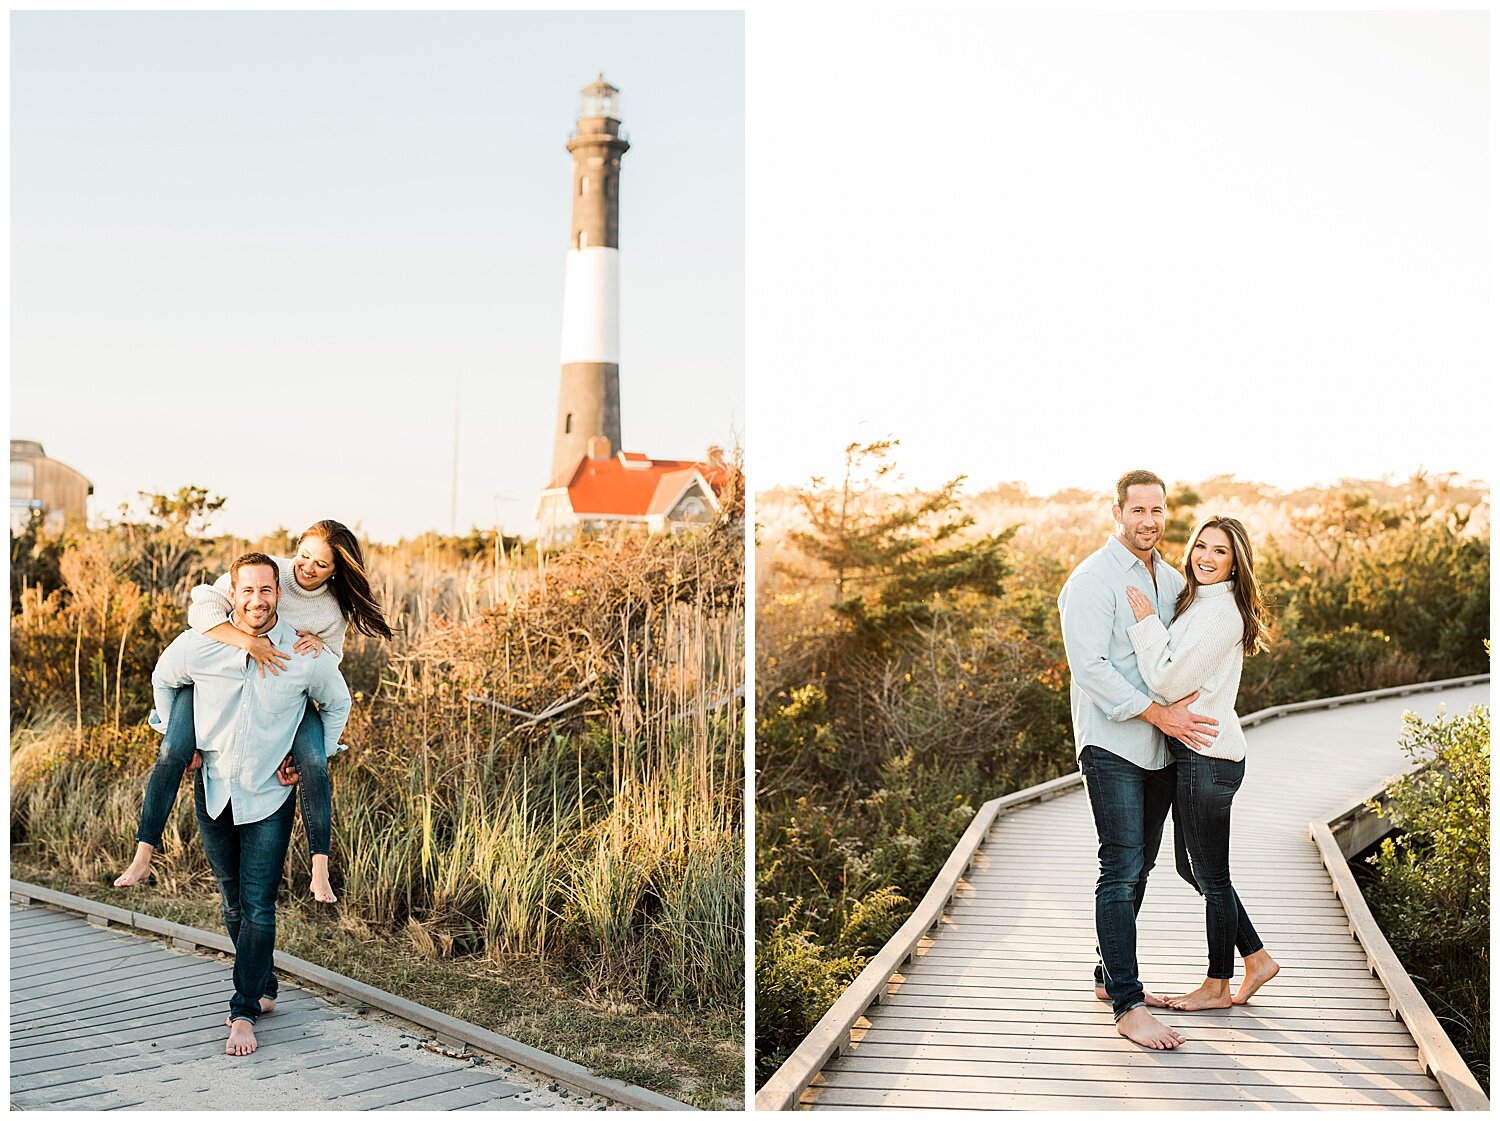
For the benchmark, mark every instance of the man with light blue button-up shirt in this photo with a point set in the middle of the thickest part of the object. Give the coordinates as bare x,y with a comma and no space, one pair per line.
245,721
1118,731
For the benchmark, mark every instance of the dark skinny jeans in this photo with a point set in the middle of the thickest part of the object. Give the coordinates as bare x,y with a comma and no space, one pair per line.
247,861
1130,806
1200,813
176,752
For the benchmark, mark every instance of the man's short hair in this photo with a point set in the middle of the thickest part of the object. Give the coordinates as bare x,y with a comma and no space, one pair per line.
247,560
1136,479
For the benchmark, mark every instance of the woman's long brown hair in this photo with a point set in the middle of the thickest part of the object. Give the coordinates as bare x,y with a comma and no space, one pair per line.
351,586
1241,574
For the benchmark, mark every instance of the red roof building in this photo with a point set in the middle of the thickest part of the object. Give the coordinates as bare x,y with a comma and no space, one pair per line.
627,489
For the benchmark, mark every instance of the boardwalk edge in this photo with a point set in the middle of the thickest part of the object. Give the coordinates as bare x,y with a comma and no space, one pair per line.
186,937
1436,1052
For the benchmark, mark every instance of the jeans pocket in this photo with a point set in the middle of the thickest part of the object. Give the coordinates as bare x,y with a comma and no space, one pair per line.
1227,774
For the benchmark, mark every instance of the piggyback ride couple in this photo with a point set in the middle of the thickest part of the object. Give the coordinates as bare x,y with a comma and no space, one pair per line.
1155,657
250,701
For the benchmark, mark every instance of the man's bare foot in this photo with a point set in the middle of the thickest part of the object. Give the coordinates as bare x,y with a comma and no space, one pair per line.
1213,993
1139,1026
140,866
1152,1000
1260,967
241,1038
322,889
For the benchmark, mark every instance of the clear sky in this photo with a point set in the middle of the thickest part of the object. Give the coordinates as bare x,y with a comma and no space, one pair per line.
1054,247
262,252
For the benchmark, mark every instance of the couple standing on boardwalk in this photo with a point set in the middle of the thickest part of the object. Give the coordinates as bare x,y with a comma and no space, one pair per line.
248,736
1155,658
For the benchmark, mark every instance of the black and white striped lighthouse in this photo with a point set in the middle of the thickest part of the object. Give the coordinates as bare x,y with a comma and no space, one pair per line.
589,405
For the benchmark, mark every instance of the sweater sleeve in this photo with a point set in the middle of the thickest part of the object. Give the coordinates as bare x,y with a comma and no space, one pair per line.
333,636
209,605
1178,663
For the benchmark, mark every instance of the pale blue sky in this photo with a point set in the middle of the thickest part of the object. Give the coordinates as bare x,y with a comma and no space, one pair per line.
1050,246
255,251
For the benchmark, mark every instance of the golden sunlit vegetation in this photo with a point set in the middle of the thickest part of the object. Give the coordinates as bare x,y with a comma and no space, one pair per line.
546,766
909,667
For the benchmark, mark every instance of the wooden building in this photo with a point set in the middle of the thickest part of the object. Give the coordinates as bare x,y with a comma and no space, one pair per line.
41,484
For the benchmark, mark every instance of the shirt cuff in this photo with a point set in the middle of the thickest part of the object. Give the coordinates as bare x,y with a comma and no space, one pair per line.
1130,709
156,723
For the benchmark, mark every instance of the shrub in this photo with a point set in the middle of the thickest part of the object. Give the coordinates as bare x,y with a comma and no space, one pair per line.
1303,666
1431,888
796,981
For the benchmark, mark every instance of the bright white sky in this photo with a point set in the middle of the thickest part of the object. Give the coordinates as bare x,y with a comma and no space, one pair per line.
258,252
1050,248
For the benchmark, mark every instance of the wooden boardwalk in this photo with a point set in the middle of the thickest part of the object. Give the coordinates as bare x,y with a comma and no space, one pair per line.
996,1009
101,1019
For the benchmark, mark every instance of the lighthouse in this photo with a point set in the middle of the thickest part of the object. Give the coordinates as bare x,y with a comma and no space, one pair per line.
588,410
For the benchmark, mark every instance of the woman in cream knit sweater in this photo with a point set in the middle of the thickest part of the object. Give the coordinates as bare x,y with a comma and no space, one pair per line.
1219,618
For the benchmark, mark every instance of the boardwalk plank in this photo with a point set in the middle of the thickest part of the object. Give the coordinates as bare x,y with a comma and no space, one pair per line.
1206,1092
1270,1057
961,1006
1188,1023
971,1075
385,1088
1356,983
96,1098
99,1069
1081,954
854,1098
468,1097
1240,1044
1002,1031
1074,997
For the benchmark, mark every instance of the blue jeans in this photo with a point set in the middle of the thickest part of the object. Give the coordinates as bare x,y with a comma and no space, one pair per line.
247,860
1130,807
1205,793
176,752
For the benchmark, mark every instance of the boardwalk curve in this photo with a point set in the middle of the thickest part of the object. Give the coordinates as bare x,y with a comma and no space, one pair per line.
984,999
102,1018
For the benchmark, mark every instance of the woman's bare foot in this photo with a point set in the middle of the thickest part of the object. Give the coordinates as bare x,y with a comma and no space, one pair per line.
241,1038
139,868
322,889
1152,1000
1139,1026
1260,967
1213,993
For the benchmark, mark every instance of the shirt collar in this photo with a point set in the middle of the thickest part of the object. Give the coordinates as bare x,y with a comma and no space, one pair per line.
276,634
1124,557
